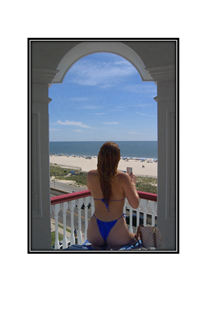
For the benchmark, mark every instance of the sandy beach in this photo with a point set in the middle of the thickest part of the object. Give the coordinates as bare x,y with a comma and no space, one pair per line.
139,168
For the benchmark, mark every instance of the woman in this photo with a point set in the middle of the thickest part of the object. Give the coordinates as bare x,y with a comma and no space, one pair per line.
109,188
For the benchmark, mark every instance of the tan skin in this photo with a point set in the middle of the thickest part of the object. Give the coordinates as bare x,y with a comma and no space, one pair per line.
123,186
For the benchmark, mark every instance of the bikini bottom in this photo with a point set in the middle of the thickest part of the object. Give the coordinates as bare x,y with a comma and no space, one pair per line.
106,226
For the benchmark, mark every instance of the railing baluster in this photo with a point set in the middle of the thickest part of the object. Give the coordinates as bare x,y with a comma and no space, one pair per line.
138,212
56,213
72,206
148,209
92,206
138,216
130,227
79,204
145,211
86,202
64,207
141,208
149,212
125,205
153,220
153,208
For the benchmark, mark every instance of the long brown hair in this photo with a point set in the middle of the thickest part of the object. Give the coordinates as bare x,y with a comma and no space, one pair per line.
108,159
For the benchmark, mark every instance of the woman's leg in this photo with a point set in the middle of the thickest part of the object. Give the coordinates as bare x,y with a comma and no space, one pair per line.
93,234
120,235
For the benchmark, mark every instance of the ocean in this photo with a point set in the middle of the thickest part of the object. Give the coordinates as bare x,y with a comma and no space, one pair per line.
129,149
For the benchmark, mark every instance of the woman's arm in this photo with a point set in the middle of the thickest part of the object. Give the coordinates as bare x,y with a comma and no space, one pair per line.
88,181
130,190
92,180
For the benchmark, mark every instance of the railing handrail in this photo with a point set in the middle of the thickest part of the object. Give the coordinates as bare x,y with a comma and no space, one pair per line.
87,193
70,196
147,196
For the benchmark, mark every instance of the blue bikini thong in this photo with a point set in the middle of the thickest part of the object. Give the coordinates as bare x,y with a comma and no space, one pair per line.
106,226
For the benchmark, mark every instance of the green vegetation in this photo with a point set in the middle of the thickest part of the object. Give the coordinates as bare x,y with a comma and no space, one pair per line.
53,237
60,236
68,174
60,172
146,184
68,230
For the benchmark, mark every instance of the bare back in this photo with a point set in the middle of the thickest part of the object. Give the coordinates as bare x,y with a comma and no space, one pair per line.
121,188
117,197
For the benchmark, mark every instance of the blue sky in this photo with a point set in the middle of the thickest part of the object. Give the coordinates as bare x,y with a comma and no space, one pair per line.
101,98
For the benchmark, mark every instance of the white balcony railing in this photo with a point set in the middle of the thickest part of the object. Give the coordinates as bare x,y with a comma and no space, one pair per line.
74,203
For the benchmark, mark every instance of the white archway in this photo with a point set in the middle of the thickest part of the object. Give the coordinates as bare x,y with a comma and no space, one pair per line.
165,74
86,48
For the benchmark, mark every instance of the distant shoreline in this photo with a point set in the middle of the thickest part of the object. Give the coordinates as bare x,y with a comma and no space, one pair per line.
139,168
139,149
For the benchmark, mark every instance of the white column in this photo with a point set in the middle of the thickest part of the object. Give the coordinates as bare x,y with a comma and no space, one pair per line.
39,160
167,154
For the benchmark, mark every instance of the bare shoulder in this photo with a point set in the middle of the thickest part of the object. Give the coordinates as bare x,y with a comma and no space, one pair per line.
122,176
92,179
92,174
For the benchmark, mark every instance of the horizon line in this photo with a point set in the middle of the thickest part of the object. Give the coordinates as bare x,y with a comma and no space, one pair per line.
105,140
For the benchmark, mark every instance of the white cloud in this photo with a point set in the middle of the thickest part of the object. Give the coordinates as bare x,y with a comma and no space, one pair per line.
146,115
149,90
73,123
106,86
89,107
111,123
123,62
102,74
141,114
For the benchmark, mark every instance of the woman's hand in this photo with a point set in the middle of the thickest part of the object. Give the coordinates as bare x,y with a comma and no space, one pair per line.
133,178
